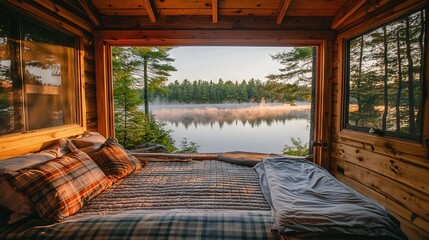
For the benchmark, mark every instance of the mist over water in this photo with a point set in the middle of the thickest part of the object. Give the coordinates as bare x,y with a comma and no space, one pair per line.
236,127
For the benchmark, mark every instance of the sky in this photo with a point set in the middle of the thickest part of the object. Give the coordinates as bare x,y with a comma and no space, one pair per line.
228,63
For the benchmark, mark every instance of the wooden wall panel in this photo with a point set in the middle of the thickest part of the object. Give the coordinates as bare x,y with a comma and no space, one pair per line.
394,173
32,141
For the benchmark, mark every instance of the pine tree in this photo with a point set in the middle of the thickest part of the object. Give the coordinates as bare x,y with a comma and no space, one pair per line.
154,67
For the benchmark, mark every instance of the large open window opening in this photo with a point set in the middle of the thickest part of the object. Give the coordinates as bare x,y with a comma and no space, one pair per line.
215,99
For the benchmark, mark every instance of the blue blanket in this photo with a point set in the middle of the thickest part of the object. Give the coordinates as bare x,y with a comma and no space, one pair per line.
308,201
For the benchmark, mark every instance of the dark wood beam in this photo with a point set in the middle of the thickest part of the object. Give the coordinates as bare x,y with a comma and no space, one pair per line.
282,11
215,11
92,12
214,37
151,10
206,22
350,7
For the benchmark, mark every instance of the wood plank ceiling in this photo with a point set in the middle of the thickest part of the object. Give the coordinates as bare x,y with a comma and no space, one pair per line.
197,14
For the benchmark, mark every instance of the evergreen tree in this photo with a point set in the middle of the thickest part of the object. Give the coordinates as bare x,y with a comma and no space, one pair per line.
297,70
132,126
154,67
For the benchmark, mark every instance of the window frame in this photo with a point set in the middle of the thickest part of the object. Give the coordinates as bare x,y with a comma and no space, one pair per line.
346,115
15,144
367,140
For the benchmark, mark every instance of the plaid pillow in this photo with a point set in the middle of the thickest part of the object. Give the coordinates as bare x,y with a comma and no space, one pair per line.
115,162
138,164
61,186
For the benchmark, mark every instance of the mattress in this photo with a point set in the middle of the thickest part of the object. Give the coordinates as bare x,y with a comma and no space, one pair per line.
206,199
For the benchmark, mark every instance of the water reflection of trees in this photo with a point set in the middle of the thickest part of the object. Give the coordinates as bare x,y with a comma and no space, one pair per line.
236,119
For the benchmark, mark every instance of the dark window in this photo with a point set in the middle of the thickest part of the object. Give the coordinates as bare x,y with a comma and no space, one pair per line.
38,85
385,79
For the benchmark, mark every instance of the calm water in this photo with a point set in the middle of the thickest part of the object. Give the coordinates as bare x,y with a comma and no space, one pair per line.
236,127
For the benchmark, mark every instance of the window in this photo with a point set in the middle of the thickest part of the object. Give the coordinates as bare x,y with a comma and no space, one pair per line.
385,74
38,86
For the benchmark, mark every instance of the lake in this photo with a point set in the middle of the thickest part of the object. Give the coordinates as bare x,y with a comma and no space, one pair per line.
236,127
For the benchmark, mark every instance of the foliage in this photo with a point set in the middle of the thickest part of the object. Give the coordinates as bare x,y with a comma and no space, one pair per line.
154,66
386,76
295,77
156,133
188,147
297,148
225,91
132,126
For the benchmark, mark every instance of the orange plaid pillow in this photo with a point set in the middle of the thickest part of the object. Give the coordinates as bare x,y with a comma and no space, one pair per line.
115,162
61,186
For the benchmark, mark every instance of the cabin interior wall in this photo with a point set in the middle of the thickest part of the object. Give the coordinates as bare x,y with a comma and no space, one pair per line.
32,141
392,172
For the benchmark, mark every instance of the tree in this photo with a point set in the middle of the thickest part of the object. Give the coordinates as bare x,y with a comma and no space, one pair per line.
132,126
297,70
154,66
129,121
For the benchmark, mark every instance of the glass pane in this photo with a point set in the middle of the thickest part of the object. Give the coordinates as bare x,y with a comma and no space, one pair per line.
11,111
386,77
49,76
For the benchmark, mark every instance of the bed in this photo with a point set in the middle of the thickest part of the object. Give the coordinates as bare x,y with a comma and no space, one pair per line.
280,197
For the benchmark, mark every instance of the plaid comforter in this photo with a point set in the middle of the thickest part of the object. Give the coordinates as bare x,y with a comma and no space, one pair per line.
151,225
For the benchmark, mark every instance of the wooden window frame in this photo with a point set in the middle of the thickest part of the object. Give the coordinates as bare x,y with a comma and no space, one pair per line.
322,40
16,144
393,145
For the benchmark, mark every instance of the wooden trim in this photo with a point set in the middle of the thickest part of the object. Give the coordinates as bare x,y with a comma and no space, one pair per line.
425,105
80,75
62,12
366,19
109,84
322,120
92,12
34,12
215,11
101,89
151,10
346,11
397,147
213,37
282,11
22,143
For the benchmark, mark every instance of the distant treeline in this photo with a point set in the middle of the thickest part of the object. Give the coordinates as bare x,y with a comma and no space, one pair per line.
228,91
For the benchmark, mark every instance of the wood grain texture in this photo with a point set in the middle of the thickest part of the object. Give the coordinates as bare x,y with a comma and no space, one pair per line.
346,11
282,11
391,171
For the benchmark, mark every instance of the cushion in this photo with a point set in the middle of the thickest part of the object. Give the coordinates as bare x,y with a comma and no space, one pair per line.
20,206
139,164
88,140
61,186
115,162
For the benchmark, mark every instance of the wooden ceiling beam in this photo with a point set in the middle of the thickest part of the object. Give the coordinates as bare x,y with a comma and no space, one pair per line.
151,10
350,7
206,22
282,11
201,37
92,12
215,11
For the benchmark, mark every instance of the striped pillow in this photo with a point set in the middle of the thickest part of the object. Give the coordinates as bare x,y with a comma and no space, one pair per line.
115,162
61,186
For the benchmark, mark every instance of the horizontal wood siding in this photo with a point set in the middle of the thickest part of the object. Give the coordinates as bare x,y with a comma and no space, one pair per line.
392,172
